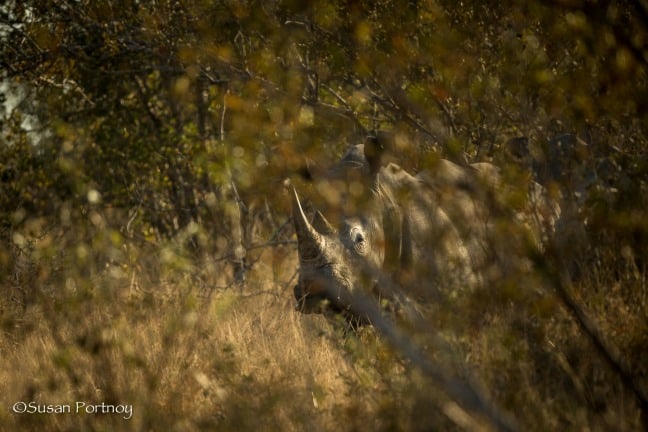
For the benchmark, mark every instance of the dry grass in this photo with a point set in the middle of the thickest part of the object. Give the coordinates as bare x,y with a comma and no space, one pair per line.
187,357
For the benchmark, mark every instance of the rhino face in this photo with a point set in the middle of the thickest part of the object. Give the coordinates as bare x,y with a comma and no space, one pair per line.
332,260
336,261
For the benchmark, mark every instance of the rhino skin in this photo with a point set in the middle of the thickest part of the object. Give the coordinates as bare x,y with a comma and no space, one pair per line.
405,238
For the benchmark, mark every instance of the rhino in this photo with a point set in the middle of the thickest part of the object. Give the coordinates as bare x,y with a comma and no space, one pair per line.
409,239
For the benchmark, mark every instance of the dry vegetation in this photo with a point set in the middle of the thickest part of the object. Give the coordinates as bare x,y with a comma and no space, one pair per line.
187,356
135,141
184,357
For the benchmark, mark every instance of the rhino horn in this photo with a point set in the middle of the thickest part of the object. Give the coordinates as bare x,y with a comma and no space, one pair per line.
309,241
322,225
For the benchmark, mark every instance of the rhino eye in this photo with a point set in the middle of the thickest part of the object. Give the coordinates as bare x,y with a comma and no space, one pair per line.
359,242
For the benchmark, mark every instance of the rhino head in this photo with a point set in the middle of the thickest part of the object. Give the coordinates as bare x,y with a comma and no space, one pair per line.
336,260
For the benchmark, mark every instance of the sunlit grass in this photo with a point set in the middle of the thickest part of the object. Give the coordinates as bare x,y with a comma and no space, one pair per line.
189,354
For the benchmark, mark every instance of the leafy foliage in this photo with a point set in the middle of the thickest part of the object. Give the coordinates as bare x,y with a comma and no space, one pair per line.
138,138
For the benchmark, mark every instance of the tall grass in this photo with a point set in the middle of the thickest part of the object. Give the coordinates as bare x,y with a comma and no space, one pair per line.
162,333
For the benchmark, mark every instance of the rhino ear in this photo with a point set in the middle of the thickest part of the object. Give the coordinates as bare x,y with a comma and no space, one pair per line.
374,148
321,225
